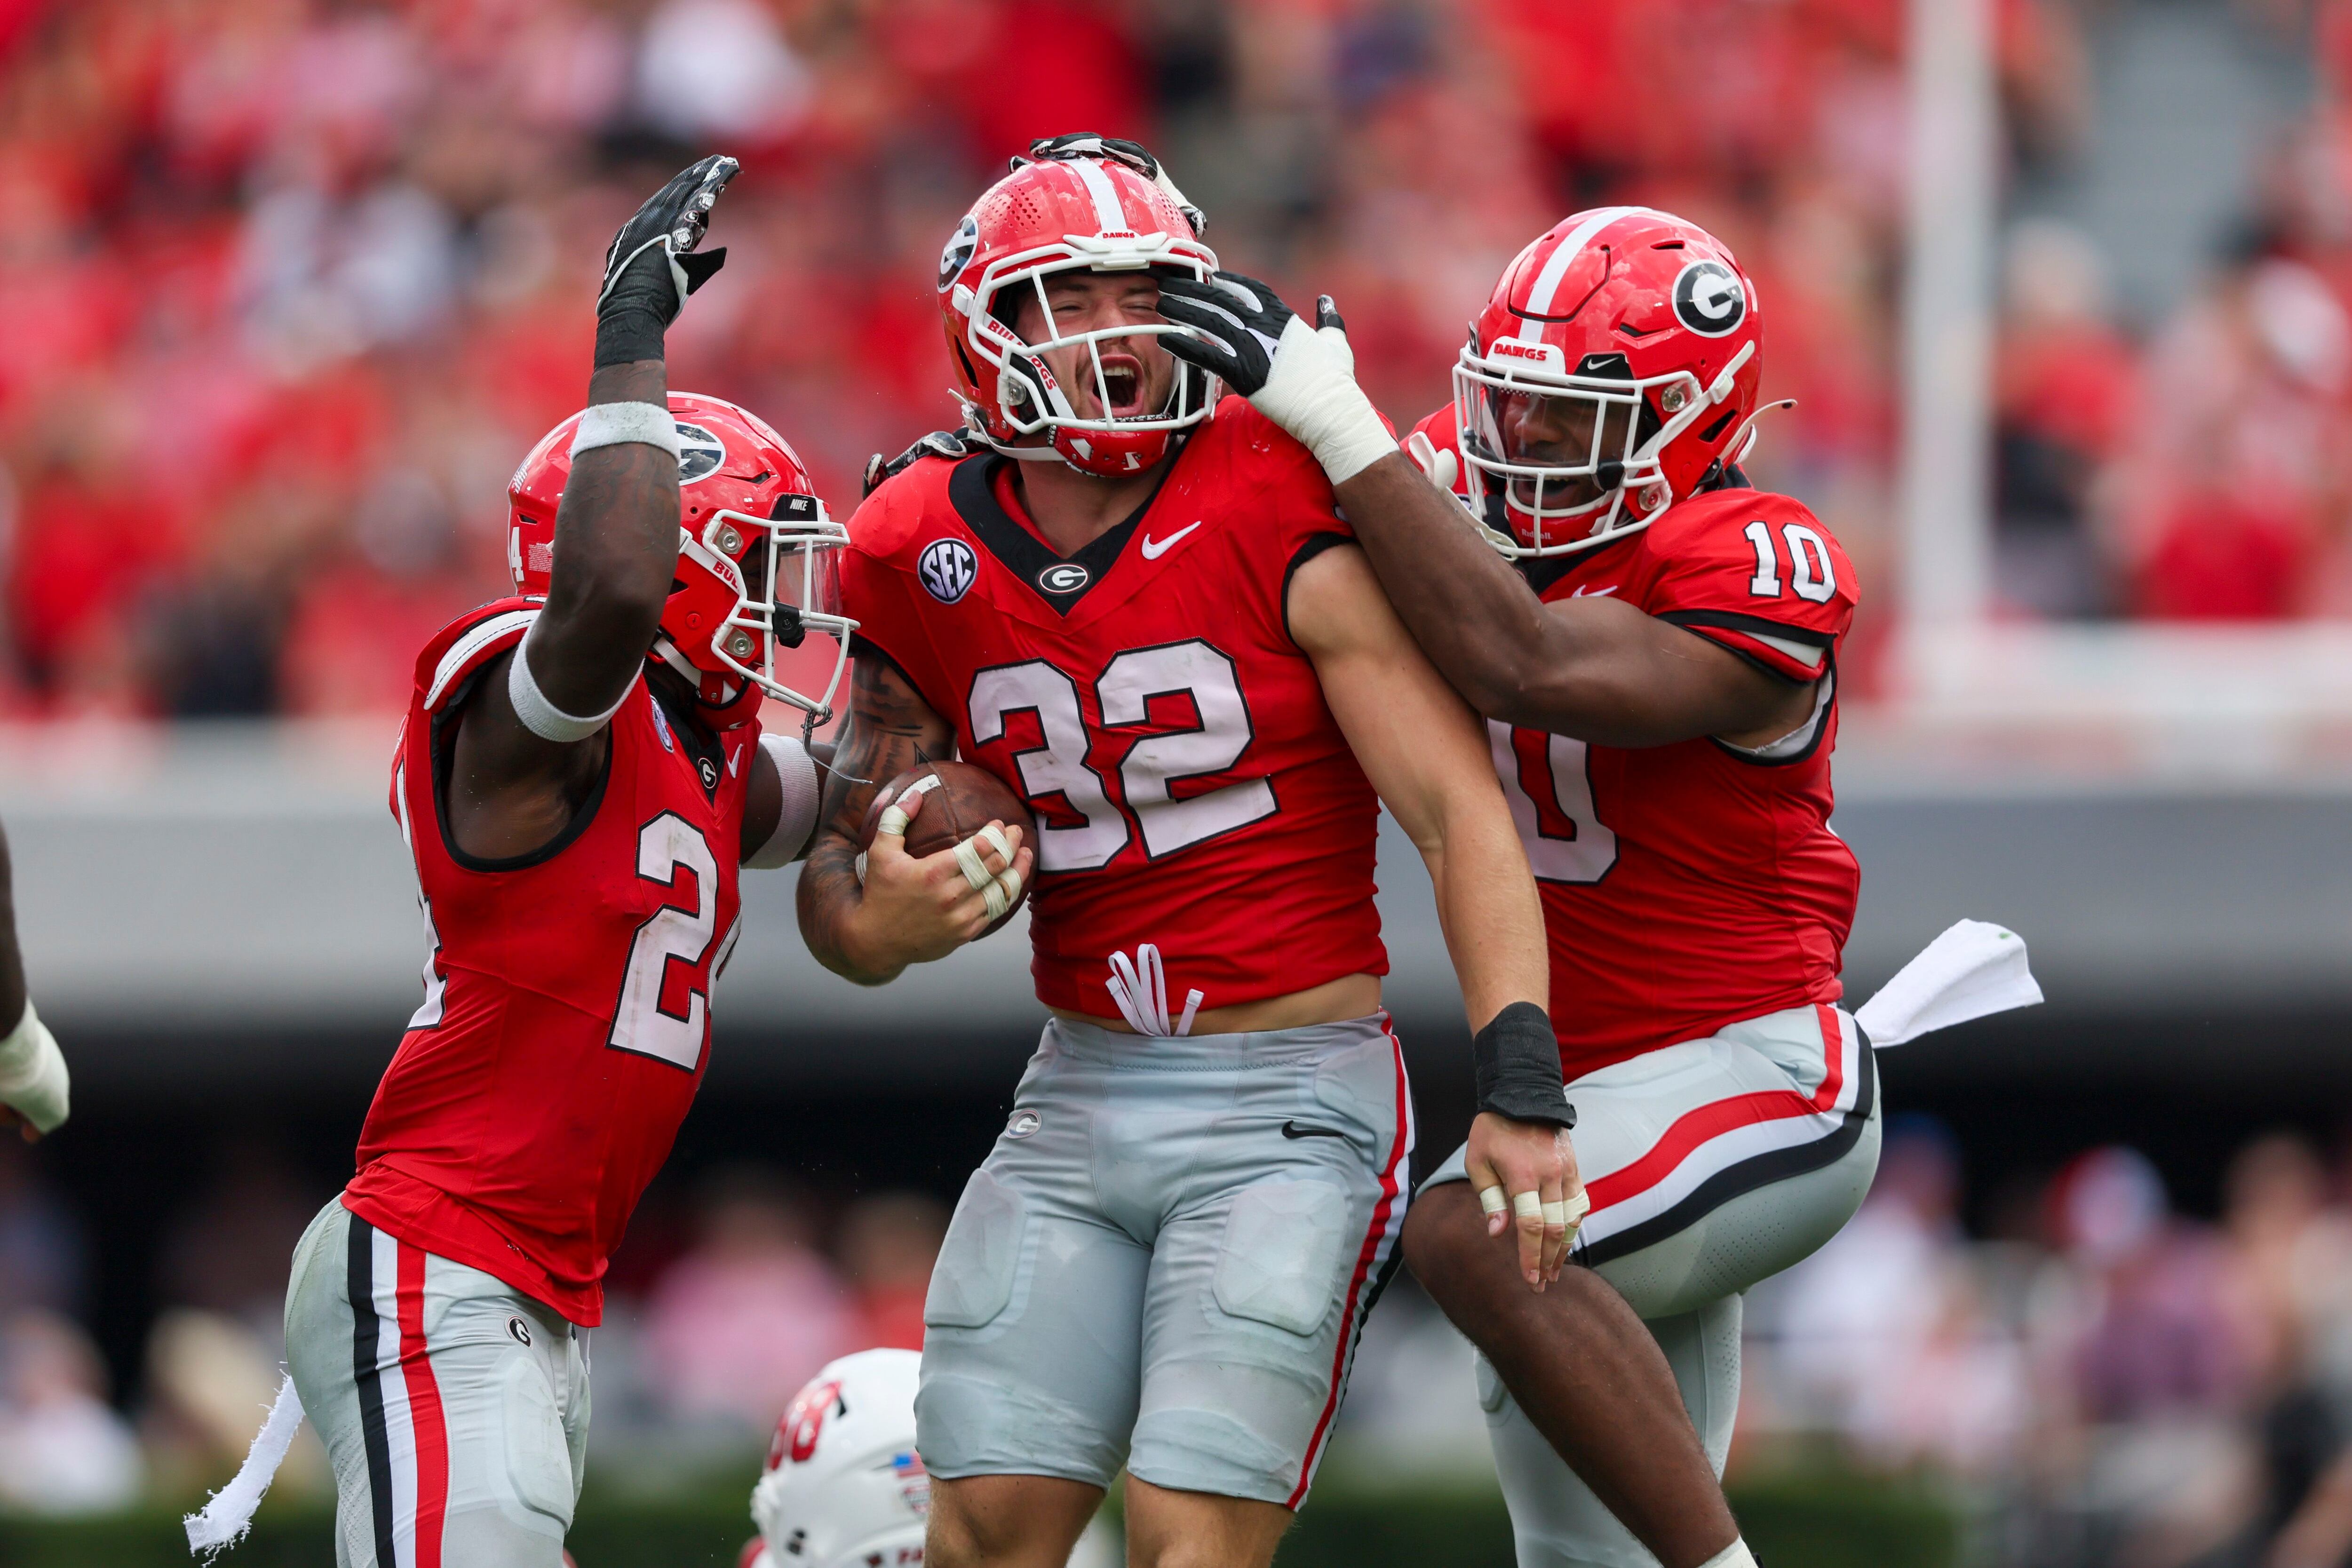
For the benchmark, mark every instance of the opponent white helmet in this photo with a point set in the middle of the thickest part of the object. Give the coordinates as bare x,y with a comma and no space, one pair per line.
844,1487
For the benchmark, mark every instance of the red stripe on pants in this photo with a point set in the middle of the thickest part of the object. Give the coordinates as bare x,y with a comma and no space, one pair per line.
1717,1117
1364,1257
425,1423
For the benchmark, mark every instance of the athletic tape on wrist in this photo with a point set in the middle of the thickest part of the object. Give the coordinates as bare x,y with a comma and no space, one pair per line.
33,1079
1335,420
1516,1058
543,717
1735,1555
797,822
611,423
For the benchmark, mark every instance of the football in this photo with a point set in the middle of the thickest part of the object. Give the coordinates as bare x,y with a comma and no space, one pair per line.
962,799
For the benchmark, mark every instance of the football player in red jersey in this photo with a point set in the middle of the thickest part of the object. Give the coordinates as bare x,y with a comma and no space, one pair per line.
1134,603
580,774
1655,644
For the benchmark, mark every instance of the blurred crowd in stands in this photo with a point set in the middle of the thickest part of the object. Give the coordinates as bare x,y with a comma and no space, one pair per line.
2103,1381
288,286
2116,1384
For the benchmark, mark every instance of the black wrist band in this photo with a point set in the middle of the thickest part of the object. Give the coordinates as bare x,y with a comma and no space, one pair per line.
1517,1060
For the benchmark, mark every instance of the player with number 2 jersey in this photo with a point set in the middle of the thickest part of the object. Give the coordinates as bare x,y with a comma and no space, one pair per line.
580,775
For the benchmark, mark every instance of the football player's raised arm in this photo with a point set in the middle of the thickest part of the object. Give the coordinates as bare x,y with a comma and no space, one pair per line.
534,730
1592,668
900,911
1426,754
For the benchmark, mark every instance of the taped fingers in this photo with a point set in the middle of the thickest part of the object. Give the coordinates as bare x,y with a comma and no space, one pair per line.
990,863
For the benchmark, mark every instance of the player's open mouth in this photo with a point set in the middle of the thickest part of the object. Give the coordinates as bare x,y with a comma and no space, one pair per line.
1123,377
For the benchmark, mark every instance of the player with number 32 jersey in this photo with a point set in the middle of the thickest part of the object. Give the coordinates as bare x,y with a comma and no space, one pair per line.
1147,696
1135,603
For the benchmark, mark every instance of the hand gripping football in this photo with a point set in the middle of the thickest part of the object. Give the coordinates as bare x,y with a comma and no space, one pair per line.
960,801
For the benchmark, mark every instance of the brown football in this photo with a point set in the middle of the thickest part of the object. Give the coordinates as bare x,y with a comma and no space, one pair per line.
964,800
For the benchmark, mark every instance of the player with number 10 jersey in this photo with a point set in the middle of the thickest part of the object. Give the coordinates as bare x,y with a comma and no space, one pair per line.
1691,884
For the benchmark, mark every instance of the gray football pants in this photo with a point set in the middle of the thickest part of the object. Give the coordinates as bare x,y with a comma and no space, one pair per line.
1711,1166
1167,1259
454,1408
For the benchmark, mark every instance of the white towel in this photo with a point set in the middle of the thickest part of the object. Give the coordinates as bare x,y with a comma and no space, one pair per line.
1973,969
226,1519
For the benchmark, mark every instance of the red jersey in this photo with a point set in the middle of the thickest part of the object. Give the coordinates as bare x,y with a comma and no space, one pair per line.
1191,789
566,1019
1691,886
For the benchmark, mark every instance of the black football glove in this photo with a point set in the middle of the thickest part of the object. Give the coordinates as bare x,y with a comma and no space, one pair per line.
938,444
652,266
1301,377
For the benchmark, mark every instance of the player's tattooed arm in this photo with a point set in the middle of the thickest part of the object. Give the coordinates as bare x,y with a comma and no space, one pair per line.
903,910
1592,668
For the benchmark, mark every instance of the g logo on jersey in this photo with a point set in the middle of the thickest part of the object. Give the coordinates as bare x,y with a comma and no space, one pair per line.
1063,577
958,250
700,453
948,569
1708,298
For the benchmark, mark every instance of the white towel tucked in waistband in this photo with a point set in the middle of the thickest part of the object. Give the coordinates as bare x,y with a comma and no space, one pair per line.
1973,969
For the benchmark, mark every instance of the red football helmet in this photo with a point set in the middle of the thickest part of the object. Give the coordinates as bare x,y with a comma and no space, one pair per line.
1062,215
1619,311
755,566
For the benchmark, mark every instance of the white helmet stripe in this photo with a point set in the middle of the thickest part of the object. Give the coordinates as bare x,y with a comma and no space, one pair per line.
1107,212
1555,266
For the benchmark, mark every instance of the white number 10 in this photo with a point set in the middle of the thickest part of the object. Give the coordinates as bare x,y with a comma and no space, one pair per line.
1810,572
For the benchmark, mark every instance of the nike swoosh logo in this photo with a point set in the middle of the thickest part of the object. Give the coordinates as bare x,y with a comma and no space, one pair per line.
1596,593
732,758
1292,1130
1153,548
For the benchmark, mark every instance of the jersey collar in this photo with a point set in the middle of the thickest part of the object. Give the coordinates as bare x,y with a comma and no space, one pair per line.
1060,581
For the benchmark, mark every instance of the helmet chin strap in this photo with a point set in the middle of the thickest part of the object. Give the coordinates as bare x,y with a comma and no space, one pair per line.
1646,455
667,652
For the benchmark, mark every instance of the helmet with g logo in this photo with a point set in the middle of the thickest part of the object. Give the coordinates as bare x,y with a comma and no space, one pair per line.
1613,371
755,559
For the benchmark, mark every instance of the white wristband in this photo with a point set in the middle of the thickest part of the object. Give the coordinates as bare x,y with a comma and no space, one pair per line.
33,1079
611,423
796,824
543,717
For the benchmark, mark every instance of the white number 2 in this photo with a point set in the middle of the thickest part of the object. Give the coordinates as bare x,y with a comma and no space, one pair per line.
670,935
1153,764
1810,572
